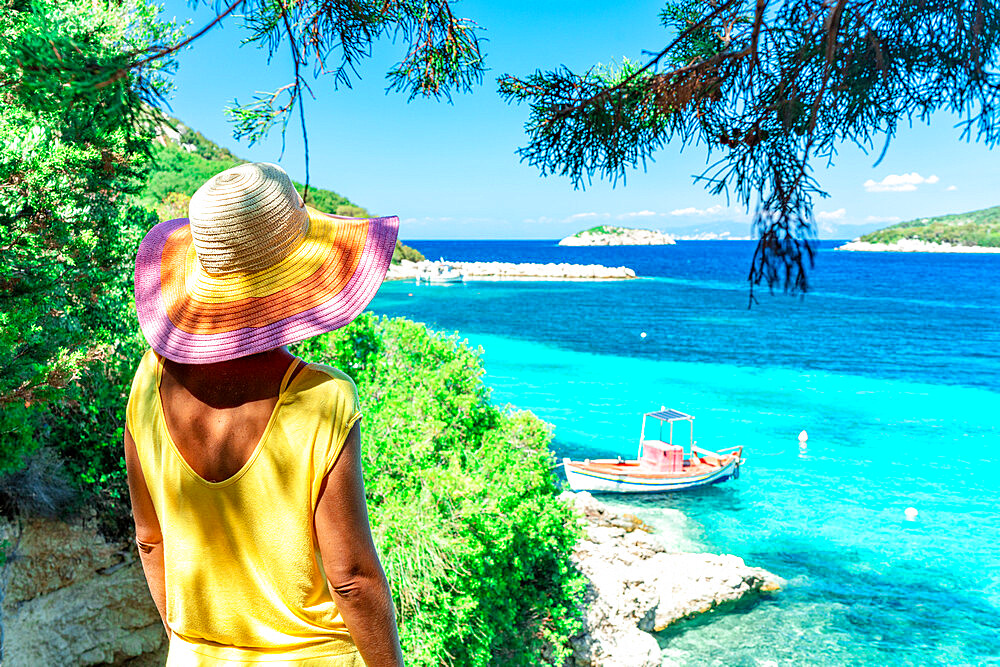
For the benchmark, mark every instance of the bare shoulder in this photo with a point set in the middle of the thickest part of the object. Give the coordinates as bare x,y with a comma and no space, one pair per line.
323,384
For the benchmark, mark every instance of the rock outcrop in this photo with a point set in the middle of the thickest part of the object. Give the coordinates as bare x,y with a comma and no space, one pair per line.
73,598
635,587
612,235
510,271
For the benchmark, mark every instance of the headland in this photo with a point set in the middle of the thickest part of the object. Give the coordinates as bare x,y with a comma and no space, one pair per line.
970,232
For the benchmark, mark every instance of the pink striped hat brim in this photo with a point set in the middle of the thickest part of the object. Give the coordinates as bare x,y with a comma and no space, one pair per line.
181,346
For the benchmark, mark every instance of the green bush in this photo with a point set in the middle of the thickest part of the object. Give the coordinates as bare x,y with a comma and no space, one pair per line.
462,500
406,252
86,427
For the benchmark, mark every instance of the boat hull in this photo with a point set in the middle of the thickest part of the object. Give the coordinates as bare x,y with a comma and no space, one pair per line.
606,479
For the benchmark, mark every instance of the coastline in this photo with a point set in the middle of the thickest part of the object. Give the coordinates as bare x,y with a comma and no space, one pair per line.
914,245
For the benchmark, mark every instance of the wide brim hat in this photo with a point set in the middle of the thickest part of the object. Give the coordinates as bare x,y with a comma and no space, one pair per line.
252,268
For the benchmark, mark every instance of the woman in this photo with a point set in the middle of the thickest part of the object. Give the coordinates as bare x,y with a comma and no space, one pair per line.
244,462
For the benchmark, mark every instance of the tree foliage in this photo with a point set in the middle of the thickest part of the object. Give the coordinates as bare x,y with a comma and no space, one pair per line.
70,158
769,89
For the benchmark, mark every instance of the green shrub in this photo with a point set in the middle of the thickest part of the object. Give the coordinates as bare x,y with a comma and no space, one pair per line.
406,252
462,499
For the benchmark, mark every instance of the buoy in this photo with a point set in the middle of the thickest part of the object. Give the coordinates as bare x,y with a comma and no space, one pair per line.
642,335
911,513
803,436
410,294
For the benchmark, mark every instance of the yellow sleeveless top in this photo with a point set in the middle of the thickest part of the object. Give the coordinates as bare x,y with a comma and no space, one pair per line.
244,579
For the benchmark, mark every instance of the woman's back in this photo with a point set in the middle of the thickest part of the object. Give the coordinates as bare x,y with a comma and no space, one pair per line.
235,488
217,413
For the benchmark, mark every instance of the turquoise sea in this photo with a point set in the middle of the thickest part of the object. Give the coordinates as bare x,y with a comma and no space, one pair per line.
891,364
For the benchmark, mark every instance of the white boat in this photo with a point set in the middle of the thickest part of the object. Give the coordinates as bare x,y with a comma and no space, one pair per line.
661,465
440,273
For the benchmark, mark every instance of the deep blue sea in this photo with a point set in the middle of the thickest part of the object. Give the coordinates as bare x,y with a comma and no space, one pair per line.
891,363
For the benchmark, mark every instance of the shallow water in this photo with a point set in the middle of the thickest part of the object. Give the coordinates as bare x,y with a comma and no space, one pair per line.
892,365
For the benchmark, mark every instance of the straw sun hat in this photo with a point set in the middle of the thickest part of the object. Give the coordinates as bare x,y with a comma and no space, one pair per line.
253,269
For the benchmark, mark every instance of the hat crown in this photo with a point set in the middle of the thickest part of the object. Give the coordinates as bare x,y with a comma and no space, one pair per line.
246,219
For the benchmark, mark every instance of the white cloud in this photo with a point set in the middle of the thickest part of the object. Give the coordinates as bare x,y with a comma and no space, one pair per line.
900,182
637,214
883,218
691,210
952,187
586,216
832,215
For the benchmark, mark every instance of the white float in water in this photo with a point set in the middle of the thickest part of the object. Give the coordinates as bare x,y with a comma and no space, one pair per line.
803,436
911,513
642,335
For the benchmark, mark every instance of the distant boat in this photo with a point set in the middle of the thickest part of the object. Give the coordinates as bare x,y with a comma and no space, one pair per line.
440,273
660,466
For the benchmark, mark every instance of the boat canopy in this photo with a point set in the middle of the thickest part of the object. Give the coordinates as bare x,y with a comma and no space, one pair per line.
667,415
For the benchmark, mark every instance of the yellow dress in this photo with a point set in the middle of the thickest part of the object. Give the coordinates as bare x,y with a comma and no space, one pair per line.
243,575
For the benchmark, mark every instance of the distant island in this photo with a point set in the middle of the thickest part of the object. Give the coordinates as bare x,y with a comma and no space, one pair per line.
612,235
975,231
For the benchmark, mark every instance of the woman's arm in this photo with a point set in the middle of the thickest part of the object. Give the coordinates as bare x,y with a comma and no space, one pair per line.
147,529
356,579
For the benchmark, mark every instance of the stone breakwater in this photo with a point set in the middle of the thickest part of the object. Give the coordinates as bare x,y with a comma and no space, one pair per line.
407,270
913,245
635,586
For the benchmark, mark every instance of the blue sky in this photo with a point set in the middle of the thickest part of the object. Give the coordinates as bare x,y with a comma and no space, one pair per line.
451,171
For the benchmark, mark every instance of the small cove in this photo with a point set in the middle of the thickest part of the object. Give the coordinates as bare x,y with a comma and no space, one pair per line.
891,365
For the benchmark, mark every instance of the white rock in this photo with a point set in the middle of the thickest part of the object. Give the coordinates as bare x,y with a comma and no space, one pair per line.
635,586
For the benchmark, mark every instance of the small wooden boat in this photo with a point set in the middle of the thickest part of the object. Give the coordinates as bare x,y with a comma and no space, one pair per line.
441,273
660,466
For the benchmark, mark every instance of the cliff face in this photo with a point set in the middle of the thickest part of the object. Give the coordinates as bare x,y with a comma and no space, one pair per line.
72,598
611,235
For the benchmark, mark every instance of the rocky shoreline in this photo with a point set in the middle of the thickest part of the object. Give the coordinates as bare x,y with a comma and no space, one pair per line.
407,270
914,245
636,586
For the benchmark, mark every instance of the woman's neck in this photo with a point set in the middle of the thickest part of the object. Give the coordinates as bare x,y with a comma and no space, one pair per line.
231,383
